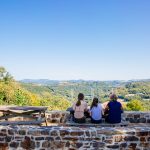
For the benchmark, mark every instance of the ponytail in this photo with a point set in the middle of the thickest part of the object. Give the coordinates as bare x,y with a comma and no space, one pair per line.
80,97
78,103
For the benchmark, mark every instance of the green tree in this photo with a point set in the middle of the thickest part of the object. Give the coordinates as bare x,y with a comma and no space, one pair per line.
20,98
5,76
135,105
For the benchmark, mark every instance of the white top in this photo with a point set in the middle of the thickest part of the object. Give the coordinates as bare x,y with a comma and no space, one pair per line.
79,110
96,112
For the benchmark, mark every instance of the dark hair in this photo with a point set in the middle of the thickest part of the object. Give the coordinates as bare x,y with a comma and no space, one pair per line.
94,103
80,98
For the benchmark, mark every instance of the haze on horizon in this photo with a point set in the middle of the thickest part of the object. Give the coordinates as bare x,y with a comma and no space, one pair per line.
71,40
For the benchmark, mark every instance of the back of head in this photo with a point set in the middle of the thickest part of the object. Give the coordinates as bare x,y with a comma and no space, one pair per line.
113,97
95,102
80,98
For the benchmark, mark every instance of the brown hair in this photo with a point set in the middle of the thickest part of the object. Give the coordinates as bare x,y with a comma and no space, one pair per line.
94,103
113,97
80,98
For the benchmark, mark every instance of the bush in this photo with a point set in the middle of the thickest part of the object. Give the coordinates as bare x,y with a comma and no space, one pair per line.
135,105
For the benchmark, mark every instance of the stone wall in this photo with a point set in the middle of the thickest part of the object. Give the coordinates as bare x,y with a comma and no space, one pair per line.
57,116
74,138
136,117
127,116
135,136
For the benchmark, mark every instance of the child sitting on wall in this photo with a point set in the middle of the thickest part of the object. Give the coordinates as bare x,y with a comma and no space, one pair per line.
79,108
96,111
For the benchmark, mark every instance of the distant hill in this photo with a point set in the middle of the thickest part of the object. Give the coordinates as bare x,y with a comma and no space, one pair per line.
40,81
70,89
111,82
48,82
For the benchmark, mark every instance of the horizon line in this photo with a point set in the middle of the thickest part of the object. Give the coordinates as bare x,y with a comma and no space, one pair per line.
84,79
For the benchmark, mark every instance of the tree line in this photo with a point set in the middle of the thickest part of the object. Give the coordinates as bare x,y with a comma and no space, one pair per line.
13,93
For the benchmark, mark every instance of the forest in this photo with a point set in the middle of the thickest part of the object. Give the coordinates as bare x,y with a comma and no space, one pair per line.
59,95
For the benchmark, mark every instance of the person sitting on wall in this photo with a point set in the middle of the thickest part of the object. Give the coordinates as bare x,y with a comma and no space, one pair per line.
96,111
113,110
80,107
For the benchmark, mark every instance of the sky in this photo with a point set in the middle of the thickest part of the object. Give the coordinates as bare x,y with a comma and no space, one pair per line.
81,39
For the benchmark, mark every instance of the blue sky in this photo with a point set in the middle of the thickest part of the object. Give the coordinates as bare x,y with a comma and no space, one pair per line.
81,39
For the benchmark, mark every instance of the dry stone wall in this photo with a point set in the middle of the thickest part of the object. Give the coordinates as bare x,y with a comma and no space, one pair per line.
127,116
136,117
74,138
57,116
135,136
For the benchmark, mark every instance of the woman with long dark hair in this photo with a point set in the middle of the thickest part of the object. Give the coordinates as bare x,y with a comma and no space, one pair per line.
79,108
96,111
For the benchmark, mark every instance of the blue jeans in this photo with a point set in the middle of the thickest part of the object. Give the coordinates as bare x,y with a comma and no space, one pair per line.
95,121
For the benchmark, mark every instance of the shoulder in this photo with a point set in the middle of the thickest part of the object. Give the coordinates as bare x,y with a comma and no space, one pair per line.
100,105
74,104
109,103
119,103
91,109
84,103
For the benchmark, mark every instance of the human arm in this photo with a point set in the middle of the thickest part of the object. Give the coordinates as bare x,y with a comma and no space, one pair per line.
106,110
74,106
85,106
121,109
